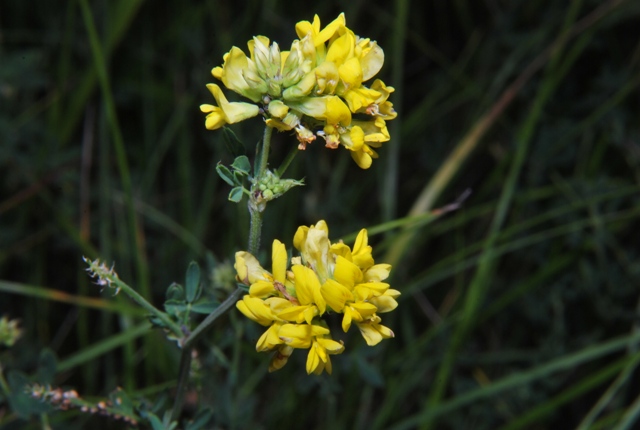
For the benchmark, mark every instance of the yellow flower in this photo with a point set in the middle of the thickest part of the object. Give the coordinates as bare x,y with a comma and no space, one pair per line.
314,88
256,310
226,112
270,339
314,246
280,358
373,332
326,278
239,74
317,339
320,37
250,271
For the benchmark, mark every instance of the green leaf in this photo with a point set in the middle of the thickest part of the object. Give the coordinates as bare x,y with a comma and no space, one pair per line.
175,292
47,365
205,305
242,164
202,419
173,307
20,401
225,174
193,285
236,194
368,372
238,176
155,422
122,402
233,144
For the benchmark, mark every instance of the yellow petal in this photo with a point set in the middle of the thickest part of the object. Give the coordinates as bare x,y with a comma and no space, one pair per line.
248,268
278,109
346,273
308,287
362,310
233,112
239,75
279,261
342,250
300,237
384,303
256,310
303,291
346,320
353,140
336,295
277,124
296,335
370,334
215,119
278,304
377,273
295,313
314,363
362,159
341,49
331,29
351,74
373,332
280,358
269,339
362,251
328,108
331,345
327,77
261,289
371,59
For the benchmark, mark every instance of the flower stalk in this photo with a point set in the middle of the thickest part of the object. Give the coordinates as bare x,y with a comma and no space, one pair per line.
107,277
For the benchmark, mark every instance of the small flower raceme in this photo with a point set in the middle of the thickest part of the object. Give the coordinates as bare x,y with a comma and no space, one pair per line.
105,276
9,331
325,279
315,89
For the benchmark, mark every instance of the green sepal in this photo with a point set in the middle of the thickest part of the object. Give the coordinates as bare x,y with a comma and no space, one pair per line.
192,282
233,144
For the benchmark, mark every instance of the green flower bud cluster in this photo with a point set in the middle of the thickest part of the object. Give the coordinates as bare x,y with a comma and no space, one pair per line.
270,186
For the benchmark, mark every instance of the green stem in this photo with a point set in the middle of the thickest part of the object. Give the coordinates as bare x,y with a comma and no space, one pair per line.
209,320
3,384
183,379
170,324
185,358
285,164
255,229
264,152
256,207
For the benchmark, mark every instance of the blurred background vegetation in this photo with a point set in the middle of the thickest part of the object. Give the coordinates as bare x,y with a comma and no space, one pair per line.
520,309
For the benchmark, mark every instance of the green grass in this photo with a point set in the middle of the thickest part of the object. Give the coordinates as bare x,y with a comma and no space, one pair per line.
519,308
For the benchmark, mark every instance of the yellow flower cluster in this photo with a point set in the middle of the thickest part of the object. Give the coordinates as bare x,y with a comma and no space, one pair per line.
316,85
325,278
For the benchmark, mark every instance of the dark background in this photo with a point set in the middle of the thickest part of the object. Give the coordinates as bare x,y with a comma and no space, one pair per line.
512,305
